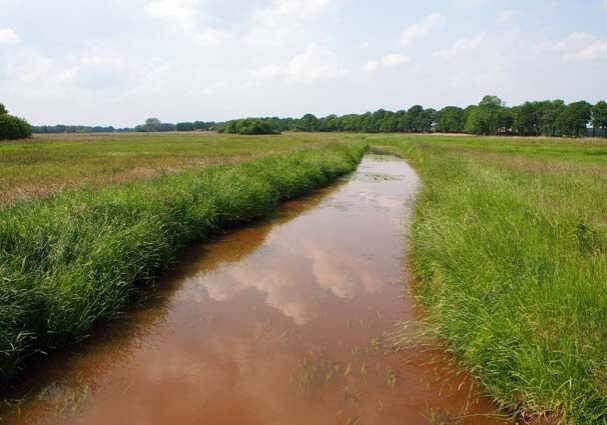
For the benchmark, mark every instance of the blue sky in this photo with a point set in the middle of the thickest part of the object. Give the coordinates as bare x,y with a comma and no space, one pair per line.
120,61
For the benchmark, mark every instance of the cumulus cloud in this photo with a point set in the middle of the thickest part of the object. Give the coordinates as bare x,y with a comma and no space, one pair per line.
281,9
316,63
273,24
212,36
187,13
89,72
422,29
460,46
184,10
509,17
577,46
8,36
388,61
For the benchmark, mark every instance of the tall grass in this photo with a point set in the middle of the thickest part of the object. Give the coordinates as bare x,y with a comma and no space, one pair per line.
75,259
510,248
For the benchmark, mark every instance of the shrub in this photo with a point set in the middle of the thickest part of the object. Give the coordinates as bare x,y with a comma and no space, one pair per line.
12,128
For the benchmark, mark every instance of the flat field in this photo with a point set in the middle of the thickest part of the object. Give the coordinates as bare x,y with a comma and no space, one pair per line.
47,163
508,241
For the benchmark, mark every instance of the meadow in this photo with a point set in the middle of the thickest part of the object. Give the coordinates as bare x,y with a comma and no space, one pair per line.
508,242
73,258
509,247
45,164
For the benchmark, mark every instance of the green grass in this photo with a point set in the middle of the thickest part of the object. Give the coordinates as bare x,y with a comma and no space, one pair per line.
75,258
48,163
509,243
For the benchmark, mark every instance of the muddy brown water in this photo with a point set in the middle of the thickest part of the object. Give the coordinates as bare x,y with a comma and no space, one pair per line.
280,323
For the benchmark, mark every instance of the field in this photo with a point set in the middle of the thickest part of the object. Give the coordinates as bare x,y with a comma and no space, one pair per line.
74,259
48,163
509,244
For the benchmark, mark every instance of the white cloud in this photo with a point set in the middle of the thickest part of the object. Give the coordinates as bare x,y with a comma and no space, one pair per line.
468,3
422,29
8,36
317,63
388,61
273,25
183,10
212,36
578,46
509,17
187,13
90,72
461,45
289,8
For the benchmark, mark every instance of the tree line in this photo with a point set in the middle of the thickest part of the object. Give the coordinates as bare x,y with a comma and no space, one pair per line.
552,118
12,127
491,116
153,125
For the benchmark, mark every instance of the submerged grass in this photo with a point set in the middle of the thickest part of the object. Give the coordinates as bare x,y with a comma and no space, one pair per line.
74,259
509,243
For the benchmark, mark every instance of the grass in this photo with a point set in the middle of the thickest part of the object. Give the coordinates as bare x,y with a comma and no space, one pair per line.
509,244
74,259
48,163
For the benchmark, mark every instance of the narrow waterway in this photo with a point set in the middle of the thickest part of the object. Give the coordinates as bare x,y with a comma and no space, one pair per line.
280,323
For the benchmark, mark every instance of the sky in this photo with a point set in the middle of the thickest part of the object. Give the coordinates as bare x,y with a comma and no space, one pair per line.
118,62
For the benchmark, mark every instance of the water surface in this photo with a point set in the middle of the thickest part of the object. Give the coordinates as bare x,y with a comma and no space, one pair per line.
279,323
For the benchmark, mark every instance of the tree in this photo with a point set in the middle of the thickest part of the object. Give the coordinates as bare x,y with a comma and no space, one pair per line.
249,126
491,101
549,113
308,123
414,121
3,110
526,120
488,117
12,128
505,120
155,125
185,126
451,119
574,120
599,117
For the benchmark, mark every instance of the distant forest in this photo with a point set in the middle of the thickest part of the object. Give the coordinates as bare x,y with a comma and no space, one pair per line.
552,118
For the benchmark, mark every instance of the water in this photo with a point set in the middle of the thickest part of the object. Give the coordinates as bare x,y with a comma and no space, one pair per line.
279,323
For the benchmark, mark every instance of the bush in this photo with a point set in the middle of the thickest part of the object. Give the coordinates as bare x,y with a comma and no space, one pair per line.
14,128
250,126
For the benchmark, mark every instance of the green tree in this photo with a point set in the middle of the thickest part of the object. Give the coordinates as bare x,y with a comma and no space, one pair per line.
185,126
3,110
526,120
12,128
451,119
599,117
549,113
574,120
488,117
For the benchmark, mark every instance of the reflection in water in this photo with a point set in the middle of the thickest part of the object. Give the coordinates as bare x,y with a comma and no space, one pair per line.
278,323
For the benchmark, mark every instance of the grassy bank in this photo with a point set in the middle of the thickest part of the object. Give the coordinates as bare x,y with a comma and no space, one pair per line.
509,242
74,259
